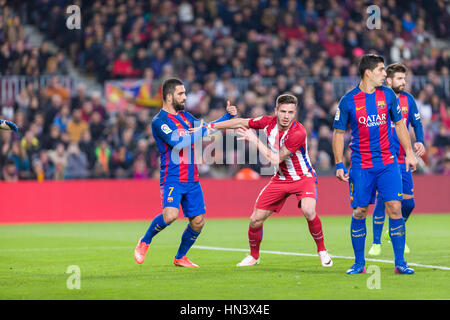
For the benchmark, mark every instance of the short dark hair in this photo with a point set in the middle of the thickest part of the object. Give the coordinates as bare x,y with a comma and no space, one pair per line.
369,62
286,98
169,86
395,67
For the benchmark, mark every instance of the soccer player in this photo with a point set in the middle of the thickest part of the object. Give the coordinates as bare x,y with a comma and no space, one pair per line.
396,80
179,178
289,153
8,125
369,109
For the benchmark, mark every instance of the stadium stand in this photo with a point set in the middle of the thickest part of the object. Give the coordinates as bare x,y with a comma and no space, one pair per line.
222,50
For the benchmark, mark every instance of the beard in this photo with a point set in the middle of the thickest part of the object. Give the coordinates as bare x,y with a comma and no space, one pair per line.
178,106
398,89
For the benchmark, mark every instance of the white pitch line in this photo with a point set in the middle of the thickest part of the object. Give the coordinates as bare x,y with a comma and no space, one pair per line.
315,255
219,249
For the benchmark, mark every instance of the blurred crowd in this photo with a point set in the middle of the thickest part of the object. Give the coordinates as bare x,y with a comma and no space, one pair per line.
274,45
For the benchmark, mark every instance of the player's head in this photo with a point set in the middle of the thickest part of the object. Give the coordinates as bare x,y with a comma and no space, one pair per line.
174,93
396,76
371,69
286,109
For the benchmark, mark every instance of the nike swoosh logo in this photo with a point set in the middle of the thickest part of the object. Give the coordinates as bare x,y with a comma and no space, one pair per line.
392,229
357,109
399,194
358,230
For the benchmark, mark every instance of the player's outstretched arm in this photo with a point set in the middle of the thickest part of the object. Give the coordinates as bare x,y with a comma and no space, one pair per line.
403,136
8,125
338,151
274,158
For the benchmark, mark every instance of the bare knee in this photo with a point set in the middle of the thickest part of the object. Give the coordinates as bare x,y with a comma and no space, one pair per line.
258,217
170,214
308,206
197,223
360,212
394,209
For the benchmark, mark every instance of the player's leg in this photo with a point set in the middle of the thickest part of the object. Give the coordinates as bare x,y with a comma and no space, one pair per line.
408,202
358,233
170,199
255,234
389,185
362,193
308,206
378,217
270,199
193,205
188,238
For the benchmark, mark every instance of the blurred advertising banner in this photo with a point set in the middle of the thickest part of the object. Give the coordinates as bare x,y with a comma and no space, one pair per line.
119,94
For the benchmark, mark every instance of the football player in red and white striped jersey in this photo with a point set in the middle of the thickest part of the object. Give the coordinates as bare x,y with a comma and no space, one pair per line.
287,150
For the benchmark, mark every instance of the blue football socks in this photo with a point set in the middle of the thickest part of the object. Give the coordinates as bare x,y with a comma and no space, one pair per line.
378,220
407,207
397,234
187,240
156,226
358,234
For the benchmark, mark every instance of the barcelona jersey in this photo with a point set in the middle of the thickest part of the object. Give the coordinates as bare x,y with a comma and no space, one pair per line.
369,117
411,116
169,130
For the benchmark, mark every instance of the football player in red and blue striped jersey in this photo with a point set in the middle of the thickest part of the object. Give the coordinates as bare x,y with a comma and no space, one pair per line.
369,109
179,179
396,79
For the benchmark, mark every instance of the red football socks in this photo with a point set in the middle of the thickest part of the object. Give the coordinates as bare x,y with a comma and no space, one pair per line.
254,239
315,228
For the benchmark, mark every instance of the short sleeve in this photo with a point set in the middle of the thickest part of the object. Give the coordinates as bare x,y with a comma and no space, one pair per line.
295,140
341,116
260,122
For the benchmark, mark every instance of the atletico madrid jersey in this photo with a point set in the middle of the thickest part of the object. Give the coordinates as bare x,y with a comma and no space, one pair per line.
369,117
298,164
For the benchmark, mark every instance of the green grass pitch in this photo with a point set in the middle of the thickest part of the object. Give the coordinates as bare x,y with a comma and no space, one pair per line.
34,260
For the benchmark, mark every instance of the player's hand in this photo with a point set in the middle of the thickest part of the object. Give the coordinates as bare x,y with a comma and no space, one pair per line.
247,134
232,110
410,162
419,149
341,175
12,126
195,129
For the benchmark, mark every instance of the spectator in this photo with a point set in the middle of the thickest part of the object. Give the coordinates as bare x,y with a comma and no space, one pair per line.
122,162
77,163
10,172
55,88
103,157
123,67
76,126
58,157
